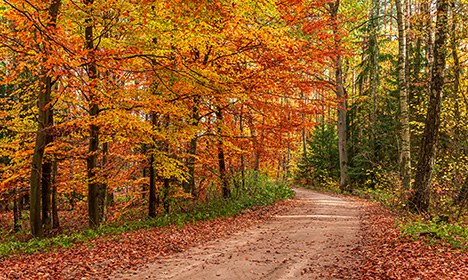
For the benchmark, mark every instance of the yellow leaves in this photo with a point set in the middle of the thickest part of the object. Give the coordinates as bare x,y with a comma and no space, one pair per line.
168,167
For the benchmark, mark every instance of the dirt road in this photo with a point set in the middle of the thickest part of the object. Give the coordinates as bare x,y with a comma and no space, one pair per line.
314,240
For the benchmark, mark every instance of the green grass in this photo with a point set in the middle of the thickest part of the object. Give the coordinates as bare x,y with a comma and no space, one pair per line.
435,231
264,194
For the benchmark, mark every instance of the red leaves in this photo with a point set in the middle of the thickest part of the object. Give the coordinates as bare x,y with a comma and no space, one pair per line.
106,255
389,255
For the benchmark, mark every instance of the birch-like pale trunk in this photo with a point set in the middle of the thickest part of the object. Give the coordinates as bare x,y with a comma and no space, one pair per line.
341,97
405,153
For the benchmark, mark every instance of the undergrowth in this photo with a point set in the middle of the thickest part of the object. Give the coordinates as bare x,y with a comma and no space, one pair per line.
263,193
435,230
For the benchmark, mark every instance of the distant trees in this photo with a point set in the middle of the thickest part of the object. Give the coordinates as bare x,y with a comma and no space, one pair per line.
405,97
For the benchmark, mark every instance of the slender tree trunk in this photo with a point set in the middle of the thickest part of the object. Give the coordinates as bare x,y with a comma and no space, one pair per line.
405,156
41,135
256,165
152,189
152,186
278,169
463,194
304,136
304,143
456,81
241,127
104,192
407,47
190,185
430,47
16,210
421,196
46,195
375,70
341,96
55,217
288,163
144,172
165,194
221,158
93,148
46,175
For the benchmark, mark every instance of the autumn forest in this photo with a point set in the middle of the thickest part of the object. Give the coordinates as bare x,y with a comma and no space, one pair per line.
122,115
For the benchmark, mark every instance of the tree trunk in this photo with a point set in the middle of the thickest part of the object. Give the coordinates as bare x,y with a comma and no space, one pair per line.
405,156
341,96
304,137
46,175
430,47
16,210
55,217
375,70
190,185
35,188
287,170
457,138
164,194
408,46
241,127
41,135
93,148
254,136
221,159
144,189
152,189
421,196
104,192
152,184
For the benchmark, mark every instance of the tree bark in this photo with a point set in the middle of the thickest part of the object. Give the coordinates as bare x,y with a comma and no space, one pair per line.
255,140
375,70
462,195
41,135
16,210
152,185
103,191
241,127
405,156
430,47
46,175
341,96
93,148
375,66
221,159
55,217
190,185
421,196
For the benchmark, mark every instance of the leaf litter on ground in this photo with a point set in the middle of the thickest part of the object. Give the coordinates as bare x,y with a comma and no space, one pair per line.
103,256
389,253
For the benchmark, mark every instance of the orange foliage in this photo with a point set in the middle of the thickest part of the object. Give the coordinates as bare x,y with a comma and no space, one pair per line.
263,65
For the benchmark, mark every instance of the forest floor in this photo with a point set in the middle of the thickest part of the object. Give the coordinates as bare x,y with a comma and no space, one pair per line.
316,239
314,236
